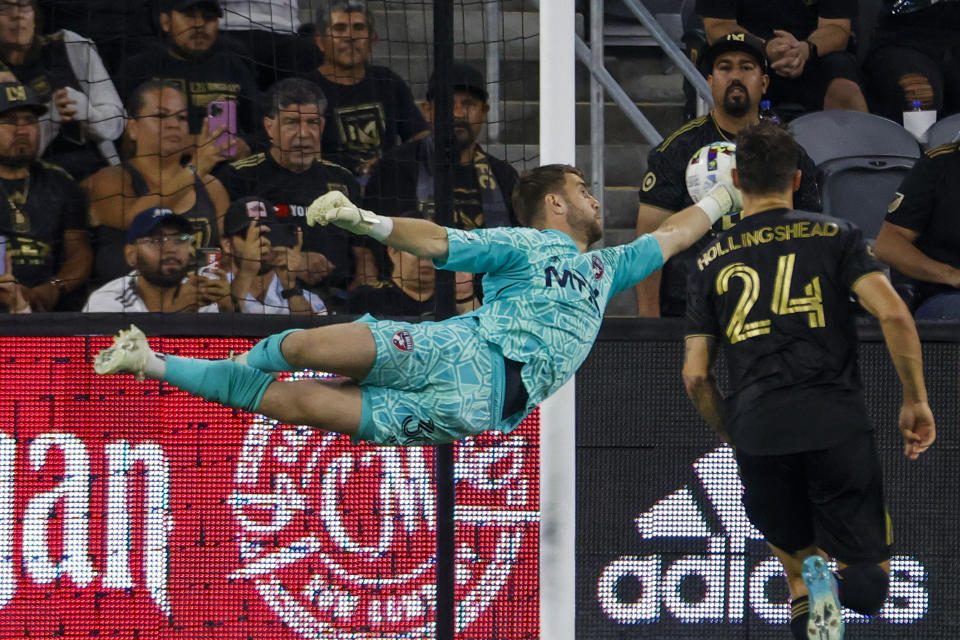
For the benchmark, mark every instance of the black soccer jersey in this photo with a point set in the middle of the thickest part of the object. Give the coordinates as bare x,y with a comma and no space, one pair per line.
291,193
927,204
365,119
776,292
34,214
664,186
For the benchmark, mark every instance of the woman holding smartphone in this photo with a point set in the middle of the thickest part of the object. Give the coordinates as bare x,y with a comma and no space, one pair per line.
168,168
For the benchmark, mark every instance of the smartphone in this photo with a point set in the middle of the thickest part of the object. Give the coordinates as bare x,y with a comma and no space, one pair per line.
210,260
223,113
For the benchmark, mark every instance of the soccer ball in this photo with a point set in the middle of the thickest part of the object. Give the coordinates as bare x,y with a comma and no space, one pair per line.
708,166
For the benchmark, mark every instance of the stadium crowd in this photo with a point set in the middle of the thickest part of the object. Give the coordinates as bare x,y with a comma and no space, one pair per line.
134,137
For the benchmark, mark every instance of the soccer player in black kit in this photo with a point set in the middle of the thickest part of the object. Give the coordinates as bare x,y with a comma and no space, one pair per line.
775,291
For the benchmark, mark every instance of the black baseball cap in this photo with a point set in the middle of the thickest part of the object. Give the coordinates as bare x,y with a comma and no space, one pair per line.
166,6
463,77
149,219
16,95
745,42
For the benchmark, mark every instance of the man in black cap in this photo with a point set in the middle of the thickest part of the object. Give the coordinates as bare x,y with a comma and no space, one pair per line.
192,59
402,182
736,71
42,211
264,254
160,253
807,43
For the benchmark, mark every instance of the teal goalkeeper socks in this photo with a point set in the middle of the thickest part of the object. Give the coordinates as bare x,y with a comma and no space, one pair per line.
225,381
266,354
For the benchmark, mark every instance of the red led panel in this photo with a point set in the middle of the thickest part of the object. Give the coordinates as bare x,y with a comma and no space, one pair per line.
134,510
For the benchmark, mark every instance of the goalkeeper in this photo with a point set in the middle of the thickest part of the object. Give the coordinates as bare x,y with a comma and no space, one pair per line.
435,382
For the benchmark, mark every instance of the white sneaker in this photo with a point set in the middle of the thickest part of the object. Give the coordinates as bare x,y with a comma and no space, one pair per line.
128,354
826,614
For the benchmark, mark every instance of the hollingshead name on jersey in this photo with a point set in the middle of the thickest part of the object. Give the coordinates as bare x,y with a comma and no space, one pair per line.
763,235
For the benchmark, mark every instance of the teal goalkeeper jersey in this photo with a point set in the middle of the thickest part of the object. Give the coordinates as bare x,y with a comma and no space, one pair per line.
543,300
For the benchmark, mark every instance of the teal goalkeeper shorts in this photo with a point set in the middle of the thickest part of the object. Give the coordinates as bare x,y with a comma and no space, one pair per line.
431,382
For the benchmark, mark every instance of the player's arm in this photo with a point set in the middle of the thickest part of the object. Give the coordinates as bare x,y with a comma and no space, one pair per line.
877,296
897,247
649,218
686,226
420,237
700,382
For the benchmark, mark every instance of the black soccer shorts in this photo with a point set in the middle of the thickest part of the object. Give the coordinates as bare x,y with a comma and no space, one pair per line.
832,498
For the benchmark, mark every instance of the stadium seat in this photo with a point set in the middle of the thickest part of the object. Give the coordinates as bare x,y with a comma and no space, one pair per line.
861,160
943,131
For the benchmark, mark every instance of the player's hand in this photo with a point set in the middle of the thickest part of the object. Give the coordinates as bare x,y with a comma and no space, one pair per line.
722,199
918,428
320,209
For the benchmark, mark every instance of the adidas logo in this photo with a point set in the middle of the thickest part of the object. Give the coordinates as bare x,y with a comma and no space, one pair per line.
721,584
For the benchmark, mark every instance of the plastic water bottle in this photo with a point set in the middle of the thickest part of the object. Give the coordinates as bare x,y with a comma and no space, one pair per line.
767,113
917,120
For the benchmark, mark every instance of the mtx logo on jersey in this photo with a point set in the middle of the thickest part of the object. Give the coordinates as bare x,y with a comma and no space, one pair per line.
655,588
573,281
403,340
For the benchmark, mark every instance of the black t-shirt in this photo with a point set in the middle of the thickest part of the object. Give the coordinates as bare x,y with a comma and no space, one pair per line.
664,186
927,203
933,28
761,17
392,189
291,193
775,290
365,119
215,75
52,204
387,299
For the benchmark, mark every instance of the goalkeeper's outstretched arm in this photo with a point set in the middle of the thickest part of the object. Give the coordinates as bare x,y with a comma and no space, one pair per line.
419,237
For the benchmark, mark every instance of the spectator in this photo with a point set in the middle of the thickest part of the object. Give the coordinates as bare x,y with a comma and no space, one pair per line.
914,57
920,237
85,112
292,175
736,73
370,108
119,29
160,251
264,258
807,44
408,292
269,32
402,182
43,221
191,59
155,176
410,289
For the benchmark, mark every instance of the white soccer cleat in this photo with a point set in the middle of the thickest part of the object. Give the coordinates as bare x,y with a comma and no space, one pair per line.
826,613
240,357
128,354
319,211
